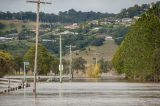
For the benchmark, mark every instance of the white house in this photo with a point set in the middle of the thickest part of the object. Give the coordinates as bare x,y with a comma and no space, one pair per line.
5,39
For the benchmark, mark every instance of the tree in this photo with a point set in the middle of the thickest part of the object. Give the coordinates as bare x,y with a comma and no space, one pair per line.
98,42
78,64
156,65
45,59
55,66
6,63
135,55
25,34
2,25
18,63
105,66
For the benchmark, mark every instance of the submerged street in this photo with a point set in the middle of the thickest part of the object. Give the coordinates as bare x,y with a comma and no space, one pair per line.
86,94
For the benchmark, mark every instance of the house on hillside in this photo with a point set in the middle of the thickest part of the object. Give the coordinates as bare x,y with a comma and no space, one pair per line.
12,35
73,26
5,39
108,38
94,22
69,32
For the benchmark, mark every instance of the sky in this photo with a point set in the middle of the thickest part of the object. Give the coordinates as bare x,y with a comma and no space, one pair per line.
110,6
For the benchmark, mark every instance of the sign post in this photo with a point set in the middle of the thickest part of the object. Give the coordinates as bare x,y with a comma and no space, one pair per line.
25,64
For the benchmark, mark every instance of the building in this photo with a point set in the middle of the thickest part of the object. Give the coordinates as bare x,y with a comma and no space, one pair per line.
73,26
108,38
5,39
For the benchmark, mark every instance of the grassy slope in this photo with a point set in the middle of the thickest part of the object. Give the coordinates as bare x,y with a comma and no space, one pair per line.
11,25
106,51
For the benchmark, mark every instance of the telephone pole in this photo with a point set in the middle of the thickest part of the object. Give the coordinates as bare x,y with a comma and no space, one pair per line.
96,57
60,65
70,63
60,53
38,2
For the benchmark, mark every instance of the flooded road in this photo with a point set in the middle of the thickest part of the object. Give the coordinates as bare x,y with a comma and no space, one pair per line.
86,94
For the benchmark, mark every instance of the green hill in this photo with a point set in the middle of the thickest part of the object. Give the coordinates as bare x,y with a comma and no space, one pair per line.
106,51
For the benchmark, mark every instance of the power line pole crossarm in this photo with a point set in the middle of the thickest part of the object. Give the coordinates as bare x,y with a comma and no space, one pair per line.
70,65
38,2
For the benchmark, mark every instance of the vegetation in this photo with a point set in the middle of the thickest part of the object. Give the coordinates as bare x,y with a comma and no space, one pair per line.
45,59
16,47
6,63
138,53
72,16
18,63
78,64
105,66
133,11
81,41
2,25
25,34
93,28
94,71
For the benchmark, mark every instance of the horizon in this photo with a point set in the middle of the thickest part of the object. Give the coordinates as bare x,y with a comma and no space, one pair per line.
103,6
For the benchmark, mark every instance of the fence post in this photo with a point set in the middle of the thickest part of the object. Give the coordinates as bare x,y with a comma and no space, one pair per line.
8,83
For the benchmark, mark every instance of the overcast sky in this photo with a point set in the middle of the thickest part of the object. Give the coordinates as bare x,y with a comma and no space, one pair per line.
110,6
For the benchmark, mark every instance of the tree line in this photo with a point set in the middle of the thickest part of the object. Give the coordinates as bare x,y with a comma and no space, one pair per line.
139,54
13,65
72,16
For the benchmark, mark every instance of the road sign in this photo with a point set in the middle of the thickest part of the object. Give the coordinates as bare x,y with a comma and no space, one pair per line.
60,67
26,63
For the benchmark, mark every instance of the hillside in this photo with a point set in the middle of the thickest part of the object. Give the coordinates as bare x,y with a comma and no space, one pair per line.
106,51
15,25
73,16
16,47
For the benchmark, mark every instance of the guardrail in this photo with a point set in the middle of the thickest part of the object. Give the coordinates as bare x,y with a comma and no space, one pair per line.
8,85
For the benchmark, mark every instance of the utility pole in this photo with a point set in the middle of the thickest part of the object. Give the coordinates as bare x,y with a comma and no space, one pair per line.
38,2
60,65
60,53
70,63
96,57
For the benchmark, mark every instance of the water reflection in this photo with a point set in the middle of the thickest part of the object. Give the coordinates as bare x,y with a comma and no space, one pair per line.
86,94
60,90
24,92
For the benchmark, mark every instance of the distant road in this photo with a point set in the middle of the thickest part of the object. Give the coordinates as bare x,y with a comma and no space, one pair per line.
30,77
66,77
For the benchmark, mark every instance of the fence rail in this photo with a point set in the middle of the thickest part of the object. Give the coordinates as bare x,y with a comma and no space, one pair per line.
8,85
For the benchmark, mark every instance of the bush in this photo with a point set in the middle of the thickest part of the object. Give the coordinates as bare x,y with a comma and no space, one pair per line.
94,71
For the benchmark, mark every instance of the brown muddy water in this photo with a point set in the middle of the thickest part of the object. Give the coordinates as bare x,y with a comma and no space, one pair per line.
86,94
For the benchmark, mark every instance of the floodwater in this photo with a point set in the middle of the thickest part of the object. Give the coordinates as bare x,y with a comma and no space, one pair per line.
86,94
